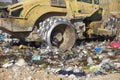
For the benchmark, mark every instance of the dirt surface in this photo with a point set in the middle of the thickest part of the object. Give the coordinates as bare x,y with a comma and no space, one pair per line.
84,62
23,73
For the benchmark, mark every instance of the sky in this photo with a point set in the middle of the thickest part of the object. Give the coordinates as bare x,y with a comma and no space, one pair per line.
5,0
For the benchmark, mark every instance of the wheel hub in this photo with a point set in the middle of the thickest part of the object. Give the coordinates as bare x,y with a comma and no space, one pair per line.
58,33
59,37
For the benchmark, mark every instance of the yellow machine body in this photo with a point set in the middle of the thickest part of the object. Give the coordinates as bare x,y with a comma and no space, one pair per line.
42,19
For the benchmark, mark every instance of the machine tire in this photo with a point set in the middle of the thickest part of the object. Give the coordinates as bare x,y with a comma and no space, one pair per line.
58,33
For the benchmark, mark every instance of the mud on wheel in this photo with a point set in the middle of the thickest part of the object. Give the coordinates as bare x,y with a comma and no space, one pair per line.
58,33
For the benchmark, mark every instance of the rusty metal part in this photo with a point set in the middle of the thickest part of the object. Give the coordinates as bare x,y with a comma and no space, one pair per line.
57,32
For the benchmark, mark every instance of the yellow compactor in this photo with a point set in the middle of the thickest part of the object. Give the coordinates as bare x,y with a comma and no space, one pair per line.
57,22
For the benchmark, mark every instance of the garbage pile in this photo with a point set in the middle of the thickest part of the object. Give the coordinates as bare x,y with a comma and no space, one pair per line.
4,37
88,59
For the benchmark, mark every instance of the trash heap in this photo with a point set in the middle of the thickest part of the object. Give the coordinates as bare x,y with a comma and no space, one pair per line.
85,60
4,37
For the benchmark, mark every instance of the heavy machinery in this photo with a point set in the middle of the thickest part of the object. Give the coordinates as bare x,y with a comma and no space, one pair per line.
110,23
57,22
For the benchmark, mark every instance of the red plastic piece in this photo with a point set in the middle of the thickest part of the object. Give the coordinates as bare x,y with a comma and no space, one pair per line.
114,44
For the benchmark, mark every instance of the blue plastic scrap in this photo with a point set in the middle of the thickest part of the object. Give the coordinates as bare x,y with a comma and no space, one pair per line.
2,37
97,49
64,72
